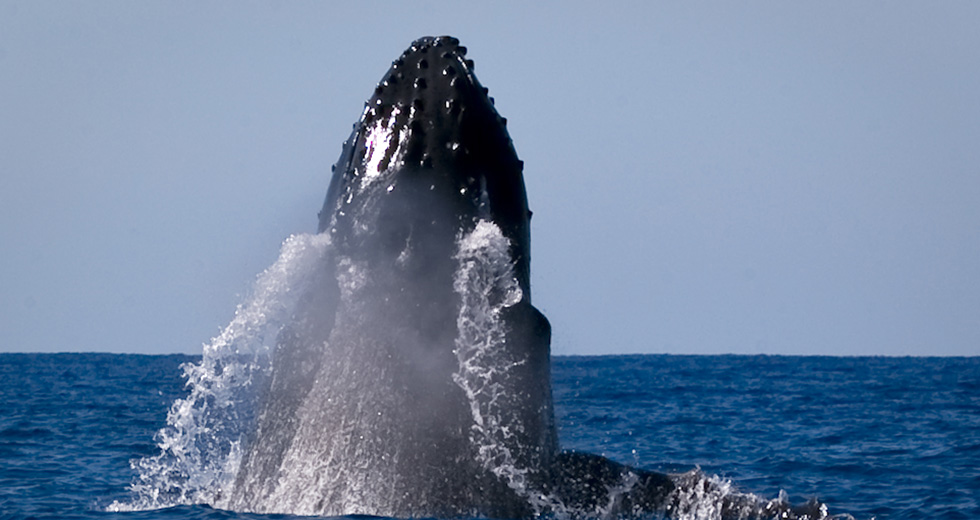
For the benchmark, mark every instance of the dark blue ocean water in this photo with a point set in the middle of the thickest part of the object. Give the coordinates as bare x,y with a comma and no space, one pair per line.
889,438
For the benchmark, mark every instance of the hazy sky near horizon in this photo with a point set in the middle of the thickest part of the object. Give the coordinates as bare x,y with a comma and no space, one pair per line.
762,177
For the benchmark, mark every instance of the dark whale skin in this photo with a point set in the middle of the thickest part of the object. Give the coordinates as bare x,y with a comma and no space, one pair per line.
452,143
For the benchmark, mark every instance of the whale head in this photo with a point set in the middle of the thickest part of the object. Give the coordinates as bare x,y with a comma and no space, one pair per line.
428,158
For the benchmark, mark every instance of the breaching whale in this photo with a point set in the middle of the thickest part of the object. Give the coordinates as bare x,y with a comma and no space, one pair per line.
414,379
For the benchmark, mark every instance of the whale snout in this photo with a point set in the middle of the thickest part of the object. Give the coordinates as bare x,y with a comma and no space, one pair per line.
429,157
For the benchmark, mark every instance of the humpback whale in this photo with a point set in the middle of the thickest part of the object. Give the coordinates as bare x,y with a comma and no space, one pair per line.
414,378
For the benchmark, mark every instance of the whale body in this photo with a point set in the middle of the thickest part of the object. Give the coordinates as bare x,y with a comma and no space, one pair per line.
414,379
368,409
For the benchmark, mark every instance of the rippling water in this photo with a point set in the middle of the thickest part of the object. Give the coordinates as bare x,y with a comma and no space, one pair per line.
889,438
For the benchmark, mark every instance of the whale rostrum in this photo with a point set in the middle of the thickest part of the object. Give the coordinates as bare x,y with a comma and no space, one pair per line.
414,379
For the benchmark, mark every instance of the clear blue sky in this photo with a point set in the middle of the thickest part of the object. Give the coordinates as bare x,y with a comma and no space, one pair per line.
763,177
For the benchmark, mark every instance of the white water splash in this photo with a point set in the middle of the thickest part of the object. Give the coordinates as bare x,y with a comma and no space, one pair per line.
200,446
709,497
486,284
699,496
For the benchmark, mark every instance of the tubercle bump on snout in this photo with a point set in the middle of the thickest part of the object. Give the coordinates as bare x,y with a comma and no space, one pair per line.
438,64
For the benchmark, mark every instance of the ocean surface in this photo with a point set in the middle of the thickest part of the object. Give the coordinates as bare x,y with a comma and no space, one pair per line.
886,438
